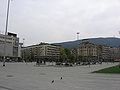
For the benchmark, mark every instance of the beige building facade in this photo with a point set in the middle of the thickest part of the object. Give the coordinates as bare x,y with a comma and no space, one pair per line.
41,52
115,53
88,51
92,52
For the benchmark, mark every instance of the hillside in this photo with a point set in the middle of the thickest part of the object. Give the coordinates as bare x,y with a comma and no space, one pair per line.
111,41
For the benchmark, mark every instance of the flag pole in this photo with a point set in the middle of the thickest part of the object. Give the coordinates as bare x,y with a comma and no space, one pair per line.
6,28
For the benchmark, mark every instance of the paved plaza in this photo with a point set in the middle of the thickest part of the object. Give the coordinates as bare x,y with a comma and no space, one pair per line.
21,76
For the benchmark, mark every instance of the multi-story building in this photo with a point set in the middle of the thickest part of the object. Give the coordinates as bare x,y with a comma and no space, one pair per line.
106,53
41,52
88,51
10,49
115,53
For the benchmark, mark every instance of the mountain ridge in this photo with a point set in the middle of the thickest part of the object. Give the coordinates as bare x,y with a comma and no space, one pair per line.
108,41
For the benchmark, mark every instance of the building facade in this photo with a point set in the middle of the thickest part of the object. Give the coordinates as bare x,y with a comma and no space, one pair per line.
115,53
88,51
91,52
41,52
106,53
11,46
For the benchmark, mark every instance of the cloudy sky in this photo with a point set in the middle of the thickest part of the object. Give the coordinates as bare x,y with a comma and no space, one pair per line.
59,20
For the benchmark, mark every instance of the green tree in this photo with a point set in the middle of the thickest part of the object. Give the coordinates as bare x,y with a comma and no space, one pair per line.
63,56
66,56
70,57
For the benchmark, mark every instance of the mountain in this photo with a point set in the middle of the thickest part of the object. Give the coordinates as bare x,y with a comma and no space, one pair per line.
110,41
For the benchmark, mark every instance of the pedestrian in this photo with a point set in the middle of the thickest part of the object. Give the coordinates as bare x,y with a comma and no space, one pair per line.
61,78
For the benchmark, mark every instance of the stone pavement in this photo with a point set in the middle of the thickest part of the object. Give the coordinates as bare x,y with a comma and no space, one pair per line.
21,76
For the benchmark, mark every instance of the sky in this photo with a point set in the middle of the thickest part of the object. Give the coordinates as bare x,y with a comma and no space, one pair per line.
55,21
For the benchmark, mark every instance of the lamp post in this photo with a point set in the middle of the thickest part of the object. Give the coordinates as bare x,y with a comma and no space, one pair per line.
6,28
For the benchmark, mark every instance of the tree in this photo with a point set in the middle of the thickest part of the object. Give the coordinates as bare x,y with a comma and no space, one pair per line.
63,56
70,57
67,56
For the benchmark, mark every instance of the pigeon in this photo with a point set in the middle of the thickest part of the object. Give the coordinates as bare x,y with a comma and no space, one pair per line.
52,81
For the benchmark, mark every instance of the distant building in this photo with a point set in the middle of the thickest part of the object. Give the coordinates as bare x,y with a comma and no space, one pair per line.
115,53
41,52
88,51
12,46
92,52
106,53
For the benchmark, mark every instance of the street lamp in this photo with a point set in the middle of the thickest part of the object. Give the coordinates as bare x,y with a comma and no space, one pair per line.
6,28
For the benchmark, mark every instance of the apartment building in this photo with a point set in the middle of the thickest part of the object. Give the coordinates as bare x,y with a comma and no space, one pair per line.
115,53
12,45
88,51
106,53
41,52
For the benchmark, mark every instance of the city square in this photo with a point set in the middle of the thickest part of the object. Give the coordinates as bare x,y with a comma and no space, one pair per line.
28,76
59,45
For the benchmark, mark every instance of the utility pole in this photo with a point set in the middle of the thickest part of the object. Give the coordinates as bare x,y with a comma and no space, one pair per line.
6,29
